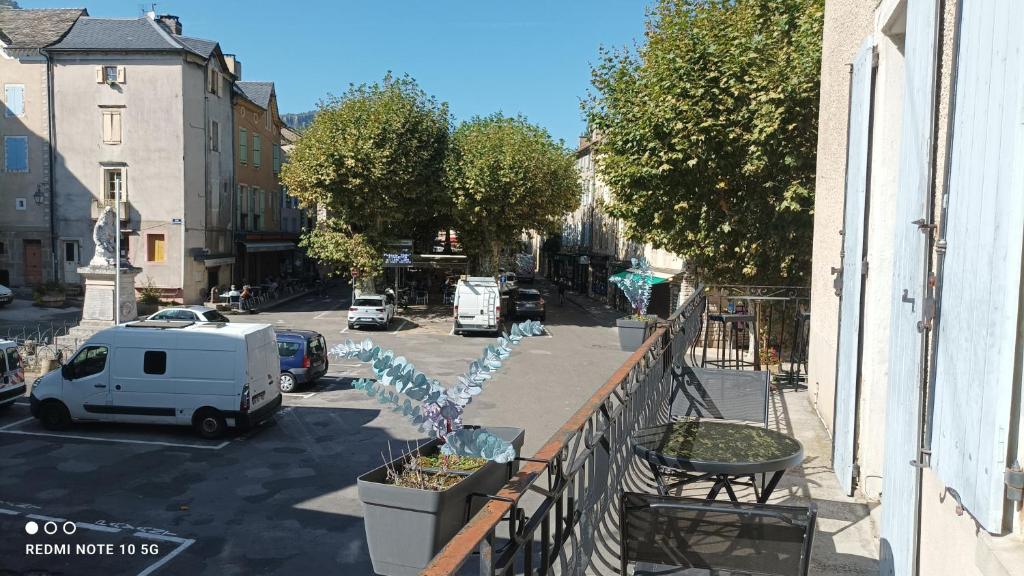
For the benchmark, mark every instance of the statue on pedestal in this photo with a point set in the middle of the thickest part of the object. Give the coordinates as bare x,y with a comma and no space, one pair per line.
104,235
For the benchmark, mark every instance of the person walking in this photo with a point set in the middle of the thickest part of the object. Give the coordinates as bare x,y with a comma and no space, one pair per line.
561,293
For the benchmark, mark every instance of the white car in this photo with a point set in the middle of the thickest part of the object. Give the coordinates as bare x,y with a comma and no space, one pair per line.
6,295
205,375
371,310
190,314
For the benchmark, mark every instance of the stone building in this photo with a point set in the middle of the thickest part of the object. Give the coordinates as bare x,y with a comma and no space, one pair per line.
144,113
29,254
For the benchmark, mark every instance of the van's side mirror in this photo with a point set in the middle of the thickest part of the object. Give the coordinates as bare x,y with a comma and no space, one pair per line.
66,372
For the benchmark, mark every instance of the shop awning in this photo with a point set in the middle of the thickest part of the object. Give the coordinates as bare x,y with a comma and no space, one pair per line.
214,262
252,247
656,277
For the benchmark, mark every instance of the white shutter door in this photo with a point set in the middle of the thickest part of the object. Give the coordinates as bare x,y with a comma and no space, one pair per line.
900,492
977,329
848,361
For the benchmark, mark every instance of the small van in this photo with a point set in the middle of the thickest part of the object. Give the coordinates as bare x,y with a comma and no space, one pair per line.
12,374
206,375
477,305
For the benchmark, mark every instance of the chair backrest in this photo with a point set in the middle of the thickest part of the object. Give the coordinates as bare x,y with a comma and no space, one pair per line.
740,395
670,532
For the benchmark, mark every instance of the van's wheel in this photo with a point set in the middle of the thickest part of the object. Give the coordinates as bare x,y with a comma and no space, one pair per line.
209,423
287,382
54,416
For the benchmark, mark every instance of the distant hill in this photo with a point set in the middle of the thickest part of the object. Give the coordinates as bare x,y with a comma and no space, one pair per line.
298,121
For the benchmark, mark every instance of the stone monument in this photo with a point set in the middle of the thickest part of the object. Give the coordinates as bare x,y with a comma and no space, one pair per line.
99,275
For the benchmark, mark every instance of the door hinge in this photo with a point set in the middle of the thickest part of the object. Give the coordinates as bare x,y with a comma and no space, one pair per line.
837,282
864,267
1014,479
923,224
928,310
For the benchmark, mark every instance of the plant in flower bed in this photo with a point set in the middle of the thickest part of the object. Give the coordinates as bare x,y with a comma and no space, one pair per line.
433,472
431,407
637,287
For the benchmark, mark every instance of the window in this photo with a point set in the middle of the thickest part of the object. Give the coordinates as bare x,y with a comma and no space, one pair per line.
254,208
155,248
110,74
14,98
15,153
214,316
288,349
215,136
214,82
13,359
113,184
91,360
70,252
243,145
154,362
243,208
277,158
256,151
111,126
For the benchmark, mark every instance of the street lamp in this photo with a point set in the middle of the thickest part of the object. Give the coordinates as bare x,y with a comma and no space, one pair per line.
39,196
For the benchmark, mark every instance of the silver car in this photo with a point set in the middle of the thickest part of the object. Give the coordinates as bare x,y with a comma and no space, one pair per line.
6,295
190,314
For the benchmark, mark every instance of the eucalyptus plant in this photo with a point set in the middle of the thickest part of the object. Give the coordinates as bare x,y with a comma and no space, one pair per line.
428,405
637,287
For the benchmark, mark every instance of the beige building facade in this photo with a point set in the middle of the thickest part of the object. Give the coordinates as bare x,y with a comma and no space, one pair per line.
144,114
918,374
28,254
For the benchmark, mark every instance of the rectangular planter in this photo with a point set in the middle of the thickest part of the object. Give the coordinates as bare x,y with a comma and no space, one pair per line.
407,527
633,333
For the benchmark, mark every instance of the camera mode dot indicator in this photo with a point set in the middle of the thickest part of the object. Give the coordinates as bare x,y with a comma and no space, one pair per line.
31,527
50,528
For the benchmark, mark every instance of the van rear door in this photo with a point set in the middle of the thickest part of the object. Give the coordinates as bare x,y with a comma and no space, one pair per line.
263,367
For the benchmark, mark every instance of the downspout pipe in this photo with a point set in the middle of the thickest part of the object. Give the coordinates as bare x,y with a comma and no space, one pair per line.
52,148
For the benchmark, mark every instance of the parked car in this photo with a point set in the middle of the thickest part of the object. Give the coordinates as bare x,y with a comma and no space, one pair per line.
6,295
371,310
303,357
12,374
530,304
190,313
477,305
205,375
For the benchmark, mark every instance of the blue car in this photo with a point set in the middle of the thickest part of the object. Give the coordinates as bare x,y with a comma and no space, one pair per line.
303,357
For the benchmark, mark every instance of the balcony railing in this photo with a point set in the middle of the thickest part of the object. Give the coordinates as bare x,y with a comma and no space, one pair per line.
579,473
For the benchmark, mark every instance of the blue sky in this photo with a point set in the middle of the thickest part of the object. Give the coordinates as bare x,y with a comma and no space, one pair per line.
529,56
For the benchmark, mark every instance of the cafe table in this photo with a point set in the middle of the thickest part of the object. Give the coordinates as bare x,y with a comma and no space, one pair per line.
722,452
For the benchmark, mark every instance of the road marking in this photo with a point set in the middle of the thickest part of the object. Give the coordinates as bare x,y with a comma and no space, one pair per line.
295,395
9,512
345,329
121,440
400,326
181,548
45,518
96,527
12,424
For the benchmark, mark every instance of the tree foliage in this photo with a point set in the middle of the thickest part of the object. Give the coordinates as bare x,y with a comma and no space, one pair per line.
707,134
507,175
373,158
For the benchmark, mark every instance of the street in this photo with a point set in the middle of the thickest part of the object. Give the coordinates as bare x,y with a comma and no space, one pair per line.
280,498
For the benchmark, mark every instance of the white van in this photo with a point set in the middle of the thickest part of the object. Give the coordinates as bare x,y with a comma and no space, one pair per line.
207,375
477,305
12,374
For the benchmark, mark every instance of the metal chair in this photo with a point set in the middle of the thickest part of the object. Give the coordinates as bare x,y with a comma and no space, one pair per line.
671,536
726,394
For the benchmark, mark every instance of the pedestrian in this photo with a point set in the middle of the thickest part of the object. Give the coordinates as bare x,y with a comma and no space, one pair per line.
246,298
561,293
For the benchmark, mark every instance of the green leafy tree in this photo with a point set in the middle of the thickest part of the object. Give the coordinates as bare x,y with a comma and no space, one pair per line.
707,134
372,161
506,176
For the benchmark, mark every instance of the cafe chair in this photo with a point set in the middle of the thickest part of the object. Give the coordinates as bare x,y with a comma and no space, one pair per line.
737,395
673,536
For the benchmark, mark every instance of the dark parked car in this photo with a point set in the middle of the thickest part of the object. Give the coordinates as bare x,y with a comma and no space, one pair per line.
530,304
303,357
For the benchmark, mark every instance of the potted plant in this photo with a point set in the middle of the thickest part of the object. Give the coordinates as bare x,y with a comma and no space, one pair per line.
414,504
49,295
636,328
149,299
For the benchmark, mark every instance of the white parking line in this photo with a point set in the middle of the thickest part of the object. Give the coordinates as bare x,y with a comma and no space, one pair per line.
9,512
96,527
12,424
44,518
400,326
345,329
121,440
181,547
296,395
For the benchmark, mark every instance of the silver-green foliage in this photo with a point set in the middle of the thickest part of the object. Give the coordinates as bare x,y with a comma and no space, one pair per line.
428,405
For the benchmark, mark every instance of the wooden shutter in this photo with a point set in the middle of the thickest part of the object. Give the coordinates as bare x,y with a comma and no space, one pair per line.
256,150
14,97
243,145
99,75
850,305
120,74
977,328
900,493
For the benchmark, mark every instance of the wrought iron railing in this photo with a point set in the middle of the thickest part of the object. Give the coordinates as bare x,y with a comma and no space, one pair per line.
558,511
782,320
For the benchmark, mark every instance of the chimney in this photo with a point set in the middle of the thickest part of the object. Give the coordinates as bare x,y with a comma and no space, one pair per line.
584,141
234,66
170,23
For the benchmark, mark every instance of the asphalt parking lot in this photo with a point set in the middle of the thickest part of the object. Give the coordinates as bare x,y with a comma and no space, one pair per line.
280,498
